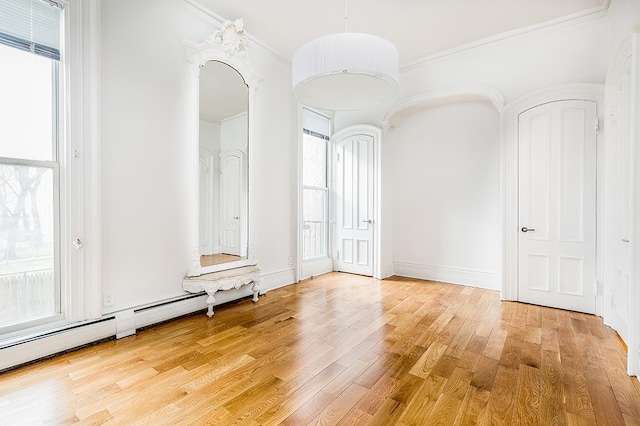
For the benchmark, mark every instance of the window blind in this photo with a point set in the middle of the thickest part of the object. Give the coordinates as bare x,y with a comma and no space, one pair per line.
31,25
315,124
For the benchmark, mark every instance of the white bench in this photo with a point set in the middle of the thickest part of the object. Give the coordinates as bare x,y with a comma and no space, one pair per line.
223,280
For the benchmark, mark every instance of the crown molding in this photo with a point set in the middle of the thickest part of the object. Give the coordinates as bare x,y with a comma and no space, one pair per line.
234,117
211,120
551,25
216,20
221,121
554,24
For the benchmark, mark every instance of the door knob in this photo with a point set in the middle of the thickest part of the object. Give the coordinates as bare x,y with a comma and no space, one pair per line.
525,229
369,221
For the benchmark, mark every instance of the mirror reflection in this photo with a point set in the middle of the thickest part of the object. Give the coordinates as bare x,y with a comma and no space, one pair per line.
223,145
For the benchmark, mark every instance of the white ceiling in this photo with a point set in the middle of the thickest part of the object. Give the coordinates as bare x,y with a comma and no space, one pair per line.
418,28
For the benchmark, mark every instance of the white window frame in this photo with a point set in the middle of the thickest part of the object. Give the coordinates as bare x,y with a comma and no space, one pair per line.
323,264
80,172
325,207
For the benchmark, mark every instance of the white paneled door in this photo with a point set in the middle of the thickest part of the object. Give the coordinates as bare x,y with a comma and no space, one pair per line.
231,165
618,305
557,205
354,189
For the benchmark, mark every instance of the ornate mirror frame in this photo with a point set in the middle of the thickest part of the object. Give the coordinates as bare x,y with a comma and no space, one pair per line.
228,46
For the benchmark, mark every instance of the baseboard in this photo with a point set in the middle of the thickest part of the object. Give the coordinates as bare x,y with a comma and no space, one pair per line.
315,267
146,316
274,280
56,342
386,270
469,277
126,322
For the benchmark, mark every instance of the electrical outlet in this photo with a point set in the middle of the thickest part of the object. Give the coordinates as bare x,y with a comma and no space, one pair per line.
290,260
107,298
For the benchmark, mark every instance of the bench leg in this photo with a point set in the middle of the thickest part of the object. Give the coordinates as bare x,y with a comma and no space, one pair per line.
210,301
256,290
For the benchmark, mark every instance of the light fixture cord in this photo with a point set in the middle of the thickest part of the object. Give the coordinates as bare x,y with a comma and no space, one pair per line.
346,23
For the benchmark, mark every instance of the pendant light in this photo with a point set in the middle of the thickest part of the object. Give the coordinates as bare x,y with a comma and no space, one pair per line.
345,71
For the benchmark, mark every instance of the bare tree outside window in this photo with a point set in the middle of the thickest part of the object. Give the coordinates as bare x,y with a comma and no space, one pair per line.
19,207
26,243
28,287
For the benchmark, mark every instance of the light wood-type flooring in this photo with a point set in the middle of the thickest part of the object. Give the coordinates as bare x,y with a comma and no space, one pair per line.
342,349
217,259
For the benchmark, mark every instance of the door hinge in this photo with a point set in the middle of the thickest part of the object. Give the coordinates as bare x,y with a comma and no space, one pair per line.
338,255
337,156
597,127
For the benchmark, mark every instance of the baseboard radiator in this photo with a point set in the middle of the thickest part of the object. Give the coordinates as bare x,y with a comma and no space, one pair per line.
29,349
115,325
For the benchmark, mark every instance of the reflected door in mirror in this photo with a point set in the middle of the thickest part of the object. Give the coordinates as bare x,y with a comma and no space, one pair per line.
231,172
223,144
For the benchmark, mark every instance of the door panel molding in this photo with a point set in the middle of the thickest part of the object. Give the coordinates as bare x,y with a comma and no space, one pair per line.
622,257
375,133
510,172
233,221
355,186
557,197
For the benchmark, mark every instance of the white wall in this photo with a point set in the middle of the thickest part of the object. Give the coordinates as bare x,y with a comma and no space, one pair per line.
234,133
146,128
515,66
624,17
569,53
210,136
446,194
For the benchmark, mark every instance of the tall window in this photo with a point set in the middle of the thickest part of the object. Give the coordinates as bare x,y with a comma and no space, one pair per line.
30,291
315,191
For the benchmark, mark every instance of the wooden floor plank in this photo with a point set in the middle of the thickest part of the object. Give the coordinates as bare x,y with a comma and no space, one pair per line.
576,394
503,394
387,414
384,389
552,406
605,407
335,411
625,394
448,404
473,407
528,399
419,408
343,350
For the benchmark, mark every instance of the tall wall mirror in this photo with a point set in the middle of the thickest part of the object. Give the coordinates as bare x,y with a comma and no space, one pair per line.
223,150
223,86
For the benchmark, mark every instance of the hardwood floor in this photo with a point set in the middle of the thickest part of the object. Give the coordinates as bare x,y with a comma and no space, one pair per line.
342,349
217,259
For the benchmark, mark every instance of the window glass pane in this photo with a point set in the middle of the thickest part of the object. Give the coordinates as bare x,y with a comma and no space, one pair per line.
26,109
314,161
27,229
313,226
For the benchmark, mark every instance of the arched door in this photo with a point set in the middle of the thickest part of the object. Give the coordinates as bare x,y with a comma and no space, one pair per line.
231,211
354,195
557,205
